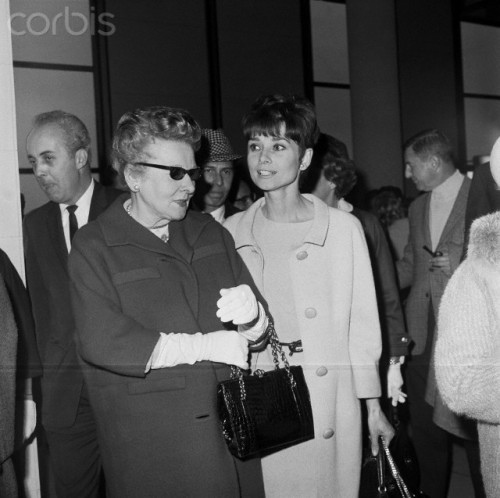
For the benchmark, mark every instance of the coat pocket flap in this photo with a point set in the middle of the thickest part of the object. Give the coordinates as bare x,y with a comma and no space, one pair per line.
146,386
134,275
211,250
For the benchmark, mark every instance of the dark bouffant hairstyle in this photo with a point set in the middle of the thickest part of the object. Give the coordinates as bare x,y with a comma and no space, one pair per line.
290,116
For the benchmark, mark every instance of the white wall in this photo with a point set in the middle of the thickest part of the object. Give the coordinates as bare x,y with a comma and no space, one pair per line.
10,206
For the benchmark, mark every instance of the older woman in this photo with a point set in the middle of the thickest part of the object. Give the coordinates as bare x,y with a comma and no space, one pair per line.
154,287
312,265
331,179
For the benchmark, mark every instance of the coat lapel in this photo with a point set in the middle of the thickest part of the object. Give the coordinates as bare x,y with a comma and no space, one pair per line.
427,221
457,213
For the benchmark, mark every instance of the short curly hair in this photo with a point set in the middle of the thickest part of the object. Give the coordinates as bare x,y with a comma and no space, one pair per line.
136,129
269,113
342,173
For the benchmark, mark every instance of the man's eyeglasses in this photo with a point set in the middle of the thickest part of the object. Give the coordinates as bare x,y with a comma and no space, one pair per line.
176,172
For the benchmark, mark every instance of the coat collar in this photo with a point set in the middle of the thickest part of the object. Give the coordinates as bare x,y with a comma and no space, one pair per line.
119,228
316,235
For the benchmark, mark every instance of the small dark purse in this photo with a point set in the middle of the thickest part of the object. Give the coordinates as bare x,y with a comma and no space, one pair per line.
394,472
265,411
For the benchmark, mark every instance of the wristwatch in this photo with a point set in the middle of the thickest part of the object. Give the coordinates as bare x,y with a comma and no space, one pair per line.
395,360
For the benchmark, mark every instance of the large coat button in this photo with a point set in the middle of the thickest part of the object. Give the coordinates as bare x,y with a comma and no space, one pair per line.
310,313
321,371
328,433
302,255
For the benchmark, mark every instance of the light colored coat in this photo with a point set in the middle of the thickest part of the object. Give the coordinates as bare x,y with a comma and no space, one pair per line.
467,354
335,302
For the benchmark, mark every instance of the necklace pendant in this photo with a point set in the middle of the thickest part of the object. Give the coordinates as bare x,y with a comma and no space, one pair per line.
164,238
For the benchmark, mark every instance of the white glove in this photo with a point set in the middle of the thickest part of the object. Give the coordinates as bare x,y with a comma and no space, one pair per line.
222,346
237,305
226,346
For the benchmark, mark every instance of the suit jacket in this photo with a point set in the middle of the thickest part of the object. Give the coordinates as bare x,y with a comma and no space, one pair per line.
484,197
48,284
413,269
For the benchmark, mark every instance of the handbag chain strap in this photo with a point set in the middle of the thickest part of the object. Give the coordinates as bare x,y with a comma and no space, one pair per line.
403,489
277,352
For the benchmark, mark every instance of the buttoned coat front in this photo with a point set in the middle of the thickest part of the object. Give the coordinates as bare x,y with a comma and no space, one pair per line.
336,313
159,432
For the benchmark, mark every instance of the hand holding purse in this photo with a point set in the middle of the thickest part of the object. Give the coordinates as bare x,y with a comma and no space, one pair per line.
266,411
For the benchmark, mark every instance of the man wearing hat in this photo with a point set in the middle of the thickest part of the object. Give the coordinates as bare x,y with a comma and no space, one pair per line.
217,158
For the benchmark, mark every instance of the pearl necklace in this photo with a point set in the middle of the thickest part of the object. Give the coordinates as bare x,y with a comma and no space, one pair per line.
163,235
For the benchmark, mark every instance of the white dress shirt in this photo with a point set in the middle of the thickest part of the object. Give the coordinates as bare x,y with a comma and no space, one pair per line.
219,214
82,213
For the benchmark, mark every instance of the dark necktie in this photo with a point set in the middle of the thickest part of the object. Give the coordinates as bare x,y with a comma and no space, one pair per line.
73,222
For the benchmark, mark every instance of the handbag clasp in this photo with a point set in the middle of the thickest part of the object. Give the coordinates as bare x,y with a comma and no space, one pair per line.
294,347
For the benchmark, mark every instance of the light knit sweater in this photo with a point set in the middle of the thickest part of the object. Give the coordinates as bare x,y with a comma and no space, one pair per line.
467,353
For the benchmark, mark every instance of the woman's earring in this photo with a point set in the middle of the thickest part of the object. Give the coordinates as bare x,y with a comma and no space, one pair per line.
136,188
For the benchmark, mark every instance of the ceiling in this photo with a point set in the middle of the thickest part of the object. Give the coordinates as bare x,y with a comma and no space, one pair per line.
482,11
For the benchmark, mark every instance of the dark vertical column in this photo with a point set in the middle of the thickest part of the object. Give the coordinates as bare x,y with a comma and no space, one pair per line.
430,69
260,51
375,110
213,63
102,97
158,55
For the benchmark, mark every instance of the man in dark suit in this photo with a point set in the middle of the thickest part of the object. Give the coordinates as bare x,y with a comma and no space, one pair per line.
484,194
58,150
216,157
431,256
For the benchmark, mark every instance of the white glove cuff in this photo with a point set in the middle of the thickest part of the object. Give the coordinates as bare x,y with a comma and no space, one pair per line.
256,332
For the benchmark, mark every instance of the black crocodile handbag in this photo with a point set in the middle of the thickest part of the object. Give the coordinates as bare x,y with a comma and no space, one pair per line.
265,411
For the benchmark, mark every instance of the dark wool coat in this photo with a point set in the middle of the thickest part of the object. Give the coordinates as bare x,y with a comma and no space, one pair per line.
159,432
8,353
28,359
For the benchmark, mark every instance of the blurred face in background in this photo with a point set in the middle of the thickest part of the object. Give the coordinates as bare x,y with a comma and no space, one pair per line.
219,176
244,197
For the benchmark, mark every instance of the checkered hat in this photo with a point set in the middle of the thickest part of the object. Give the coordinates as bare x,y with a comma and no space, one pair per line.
218,147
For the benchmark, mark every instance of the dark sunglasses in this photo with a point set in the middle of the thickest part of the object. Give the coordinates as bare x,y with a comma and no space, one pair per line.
176,172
